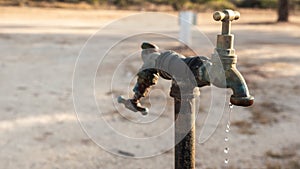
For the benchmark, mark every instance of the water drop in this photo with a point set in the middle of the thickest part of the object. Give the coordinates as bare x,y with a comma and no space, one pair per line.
226,150
230,105
226,161
227,130
226,139
228,125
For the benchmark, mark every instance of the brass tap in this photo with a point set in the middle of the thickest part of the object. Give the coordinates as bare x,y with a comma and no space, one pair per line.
226,59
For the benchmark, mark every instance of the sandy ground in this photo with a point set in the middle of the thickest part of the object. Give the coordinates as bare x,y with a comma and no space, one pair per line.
39,128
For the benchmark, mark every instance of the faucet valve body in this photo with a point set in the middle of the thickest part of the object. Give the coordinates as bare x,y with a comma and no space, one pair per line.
225,57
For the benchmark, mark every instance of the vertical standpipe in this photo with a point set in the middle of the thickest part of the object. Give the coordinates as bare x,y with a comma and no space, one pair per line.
184,107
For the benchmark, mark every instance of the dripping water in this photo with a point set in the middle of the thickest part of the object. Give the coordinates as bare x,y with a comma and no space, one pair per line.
226,161
227,130
226,150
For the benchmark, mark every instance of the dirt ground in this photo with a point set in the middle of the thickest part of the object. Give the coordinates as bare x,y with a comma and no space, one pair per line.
39,128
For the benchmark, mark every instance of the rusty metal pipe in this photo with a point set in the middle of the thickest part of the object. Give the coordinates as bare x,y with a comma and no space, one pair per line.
184,89
184,107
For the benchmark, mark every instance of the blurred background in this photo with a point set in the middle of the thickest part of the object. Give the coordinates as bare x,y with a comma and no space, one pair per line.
40,41
155,5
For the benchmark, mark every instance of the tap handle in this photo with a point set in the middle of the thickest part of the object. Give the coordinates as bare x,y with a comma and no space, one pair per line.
226,15
132,105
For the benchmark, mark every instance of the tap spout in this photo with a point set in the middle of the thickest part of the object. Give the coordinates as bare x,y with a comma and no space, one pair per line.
237,83
222,73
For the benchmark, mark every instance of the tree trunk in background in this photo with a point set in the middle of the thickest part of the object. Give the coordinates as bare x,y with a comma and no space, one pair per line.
283,10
